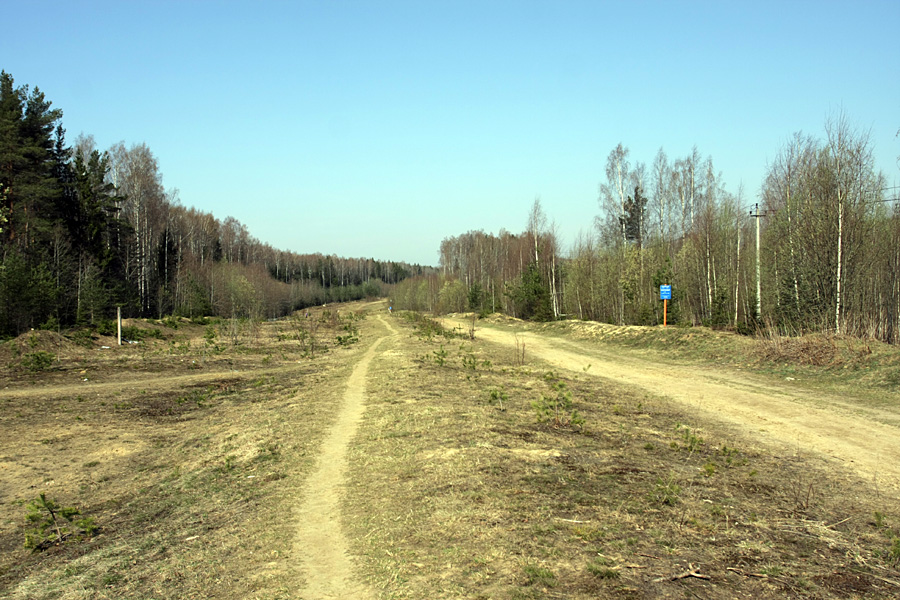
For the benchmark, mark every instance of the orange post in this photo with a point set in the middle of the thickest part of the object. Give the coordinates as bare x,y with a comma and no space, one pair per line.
665,311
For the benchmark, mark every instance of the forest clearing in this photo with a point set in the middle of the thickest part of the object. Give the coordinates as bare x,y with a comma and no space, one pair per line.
357,453
390,301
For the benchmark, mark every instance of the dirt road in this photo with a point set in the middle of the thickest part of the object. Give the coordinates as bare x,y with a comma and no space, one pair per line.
320,542
785,415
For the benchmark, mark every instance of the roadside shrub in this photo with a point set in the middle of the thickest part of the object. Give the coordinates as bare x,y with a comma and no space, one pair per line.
51,324
645,315
745,329
137,333
82,337
107,327
348,325
427,328
347,340
37,361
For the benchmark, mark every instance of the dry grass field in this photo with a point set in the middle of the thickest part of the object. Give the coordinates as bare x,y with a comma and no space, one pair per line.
528,462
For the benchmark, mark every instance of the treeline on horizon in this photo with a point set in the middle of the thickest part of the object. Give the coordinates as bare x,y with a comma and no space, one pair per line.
83,231
829,249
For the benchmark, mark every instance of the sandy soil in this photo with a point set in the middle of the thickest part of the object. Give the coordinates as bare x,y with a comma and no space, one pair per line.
327,566
785,415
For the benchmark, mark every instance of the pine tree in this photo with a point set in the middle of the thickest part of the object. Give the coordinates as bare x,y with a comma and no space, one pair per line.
11,159
32,156
28,163
633,219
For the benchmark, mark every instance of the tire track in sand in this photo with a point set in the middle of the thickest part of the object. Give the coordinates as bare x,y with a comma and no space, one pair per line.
320,540
780,415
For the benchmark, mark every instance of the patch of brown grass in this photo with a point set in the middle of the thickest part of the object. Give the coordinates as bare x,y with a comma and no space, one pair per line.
818,350
452,497
190,461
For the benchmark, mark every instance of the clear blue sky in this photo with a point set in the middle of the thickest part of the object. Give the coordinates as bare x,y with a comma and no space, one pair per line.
379,128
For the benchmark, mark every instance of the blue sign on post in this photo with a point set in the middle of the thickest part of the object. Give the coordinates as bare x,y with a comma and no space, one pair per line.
665,292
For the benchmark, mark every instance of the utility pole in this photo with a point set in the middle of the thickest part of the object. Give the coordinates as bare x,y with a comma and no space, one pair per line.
758,284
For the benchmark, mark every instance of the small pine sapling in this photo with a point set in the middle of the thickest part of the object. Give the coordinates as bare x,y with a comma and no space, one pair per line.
499,396
50,523
557,408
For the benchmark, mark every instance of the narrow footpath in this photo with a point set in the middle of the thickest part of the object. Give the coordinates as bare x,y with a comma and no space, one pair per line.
321,545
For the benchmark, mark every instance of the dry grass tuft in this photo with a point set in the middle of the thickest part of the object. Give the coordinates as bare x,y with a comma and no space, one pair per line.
818,350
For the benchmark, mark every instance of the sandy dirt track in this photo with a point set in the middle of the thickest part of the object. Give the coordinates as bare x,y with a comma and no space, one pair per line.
320,542
784,415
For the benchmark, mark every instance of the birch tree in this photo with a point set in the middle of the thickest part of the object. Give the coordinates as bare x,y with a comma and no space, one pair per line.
613,199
